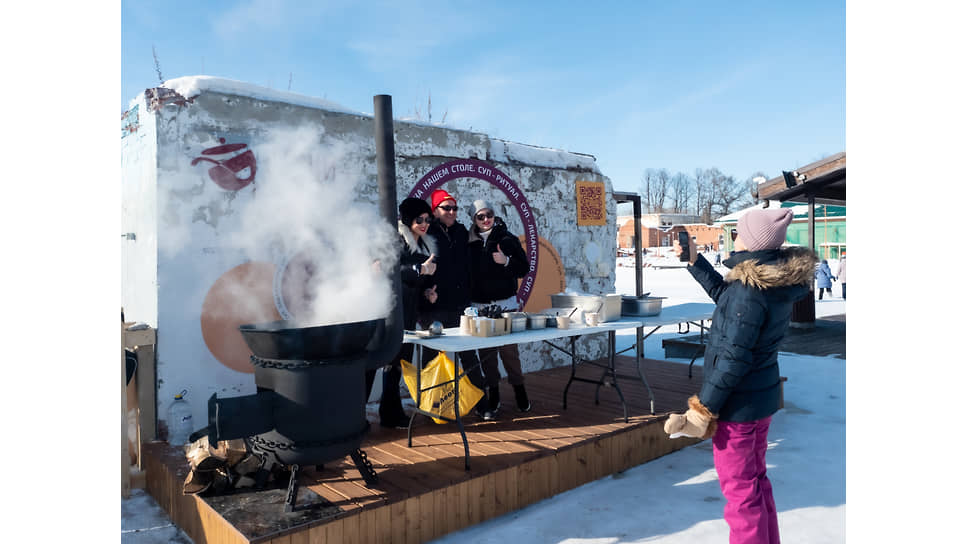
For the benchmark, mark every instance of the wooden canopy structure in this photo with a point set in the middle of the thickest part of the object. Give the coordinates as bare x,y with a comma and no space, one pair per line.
823,181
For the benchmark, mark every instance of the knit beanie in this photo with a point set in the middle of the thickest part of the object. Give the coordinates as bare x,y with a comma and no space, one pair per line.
411,208
481,205
438,197
764,228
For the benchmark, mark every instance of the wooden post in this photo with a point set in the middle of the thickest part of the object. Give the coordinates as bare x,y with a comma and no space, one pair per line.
142,341
147,395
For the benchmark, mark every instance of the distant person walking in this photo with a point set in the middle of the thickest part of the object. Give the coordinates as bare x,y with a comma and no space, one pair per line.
842,274
741,381
824,277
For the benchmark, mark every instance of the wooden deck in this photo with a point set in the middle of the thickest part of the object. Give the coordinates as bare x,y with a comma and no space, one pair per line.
424,491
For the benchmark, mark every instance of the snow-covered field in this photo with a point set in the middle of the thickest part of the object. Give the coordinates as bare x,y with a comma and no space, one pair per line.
676,498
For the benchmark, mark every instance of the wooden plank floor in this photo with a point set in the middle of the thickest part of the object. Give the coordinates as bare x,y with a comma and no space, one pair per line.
424,491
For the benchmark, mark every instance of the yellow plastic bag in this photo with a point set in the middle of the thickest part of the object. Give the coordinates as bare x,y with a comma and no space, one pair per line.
440,400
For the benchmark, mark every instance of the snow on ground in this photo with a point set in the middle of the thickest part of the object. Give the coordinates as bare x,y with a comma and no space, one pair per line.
676,498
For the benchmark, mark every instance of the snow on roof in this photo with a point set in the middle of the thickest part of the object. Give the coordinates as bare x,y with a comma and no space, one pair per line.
504,151
190,86
501,150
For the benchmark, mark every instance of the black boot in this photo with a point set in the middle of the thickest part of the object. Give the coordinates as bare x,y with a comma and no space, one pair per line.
521,397
493,403
391,407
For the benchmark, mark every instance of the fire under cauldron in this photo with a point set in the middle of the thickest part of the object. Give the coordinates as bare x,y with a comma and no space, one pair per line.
310,405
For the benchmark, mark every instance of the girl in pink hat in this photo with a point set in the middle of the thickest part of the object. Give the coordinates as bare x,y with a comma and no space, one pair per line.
741,376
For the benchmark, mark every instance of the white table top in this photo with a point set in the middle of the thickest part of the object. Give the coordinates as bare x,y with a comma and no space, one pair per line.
680,313
453,340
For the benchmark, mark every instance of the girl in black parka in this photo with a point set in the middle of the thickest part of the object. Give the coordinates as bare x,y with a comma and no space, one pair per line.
741,377
496,261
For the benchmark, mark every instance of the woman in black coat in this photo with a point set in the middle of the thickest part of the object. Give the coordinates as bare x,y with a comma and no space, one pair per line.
416,274
496,261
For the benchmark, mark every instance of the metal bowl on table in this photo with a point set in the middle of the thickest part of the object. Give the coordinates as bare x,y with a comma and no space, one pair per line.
519,320
537,321
642,306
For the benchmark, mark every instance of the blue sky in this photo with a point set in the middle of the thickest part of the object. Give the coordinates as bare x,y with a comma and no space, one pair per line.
741,86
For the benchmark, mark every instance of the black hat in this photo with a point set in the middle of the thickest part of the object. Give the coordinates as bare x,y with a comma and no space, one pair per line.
411,208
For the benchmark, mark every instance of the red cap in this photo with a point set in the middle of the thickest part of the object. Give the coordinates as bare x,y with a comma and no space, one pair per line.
439,196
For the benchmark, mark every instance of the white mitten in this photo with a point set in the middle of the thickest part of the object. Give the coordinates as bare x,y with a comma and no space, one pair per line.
697,422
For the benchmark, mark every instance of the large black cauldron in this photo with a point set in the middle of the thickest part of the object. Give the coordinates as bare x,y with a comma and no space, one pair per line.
310,404
287,339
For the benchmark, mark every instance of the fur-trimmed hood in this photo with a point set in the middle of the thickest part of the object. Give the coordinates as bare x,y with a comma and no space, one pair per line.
411,241
772,268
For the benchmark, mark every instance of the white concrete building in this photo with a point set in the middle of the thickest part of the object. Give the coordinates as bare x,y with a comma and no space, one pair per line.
226,185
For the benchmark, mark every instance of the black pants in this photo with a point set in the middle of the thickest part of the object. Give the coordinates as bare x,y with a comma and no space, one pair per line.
843,288
829,292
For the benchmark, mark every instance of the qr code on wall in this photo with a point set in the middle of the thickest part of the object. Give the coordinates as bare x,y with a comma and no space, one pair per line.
591,202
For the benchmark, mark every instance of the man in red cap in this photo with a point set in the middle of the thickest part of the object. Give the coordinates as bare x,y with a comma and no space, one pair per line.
452,277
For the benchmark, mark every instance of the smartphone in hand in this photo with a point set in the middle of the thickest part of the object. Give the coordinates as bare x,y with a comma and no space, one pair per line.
684,244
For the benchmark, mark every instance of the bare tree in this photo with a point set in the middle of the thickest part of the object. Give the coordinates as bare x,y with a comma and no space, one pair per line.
725,192
680,190
702,194
709,193
654,187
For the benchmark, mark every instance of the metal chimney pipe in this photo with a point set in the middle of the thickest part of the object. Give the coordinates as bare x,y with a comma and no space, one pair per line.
386,177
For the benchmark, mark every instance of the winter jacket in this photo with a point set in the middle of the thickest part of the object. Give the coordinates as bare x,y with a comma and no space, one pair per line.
414,253
823,276
491,281
842,270
741,377
453,292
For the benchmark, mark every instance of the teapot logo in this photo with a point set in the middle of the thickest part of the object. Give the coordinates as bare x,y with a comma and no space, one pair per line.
225,173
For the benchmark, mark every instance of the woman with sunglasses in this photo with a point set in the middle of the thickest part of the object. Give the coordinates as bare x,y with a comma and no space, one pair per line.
496,261
417,268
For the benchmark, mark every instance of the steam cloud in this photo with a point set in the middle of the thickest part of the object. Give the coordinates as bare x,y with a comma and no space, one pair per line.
307,213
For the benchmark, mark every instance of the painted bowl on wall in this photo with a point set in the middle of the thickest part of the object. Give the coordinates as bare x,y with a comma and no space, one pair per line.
287,339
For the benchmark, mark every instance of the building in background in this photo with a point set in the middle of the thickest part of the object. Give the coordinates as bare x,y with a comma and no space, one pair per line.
830,230
661,229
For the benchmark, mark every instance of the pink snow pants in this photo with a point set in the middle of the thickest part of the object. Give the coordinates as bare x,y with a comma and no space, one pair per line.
739,453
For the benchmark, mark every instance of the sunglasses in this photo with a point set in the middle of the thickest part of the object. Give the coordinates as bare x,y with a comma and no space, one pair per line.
485,215
448,208
421,220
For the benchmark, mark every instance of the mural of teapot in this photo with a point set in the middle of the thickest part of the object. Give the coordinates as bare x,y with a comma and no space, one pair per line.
225,172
